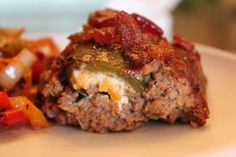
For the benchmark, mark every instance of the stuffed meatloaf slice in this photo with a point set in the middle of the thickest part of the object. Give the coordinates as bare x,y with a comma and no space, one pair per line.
120,72
96,91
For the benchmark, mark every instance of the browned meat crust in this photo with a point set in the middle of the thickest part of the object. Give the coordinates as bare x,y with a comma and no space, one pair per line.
175,83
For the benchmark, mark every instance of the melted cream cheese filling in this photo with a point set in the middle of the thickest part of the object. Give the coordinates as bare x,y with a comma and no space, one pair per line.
115,87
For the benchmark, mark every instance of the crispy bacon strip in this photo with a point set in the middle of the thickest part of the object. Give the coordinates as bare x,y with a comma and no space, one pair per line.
140,38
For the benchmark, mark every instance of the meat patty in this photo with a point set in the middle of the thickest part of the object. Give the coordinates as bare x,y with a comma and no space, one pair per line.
105,80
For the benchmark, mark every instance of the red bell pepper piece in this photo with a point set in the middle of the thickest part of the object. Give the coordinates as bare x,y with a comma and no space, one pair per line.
12,117
4,101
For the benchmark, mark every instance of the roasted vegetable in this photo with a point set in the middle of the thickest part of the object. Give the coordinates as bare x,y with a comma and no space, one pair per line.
11,32
34,115
20,109
16,68
4,104
10,42
22,61
12,117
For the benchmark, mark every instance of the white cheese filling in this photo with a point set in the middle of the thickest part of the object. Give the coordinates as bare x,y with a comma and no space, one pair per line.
115,87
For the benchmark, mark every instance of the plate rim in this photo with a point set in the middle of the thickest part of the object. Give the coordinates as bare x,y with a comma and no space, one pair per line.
215,51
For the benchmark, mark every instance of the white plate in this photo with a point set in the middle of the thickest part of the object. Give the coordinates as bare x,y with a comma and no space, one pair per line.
217,138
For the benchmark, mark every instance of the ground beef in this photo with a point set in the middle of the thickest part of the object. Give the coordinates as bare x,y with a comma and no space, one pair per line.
54,87
97,113
166,96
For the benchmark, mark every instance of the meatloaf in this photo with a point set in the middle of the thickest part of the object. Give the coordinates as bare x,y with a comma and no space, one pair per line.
120,72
